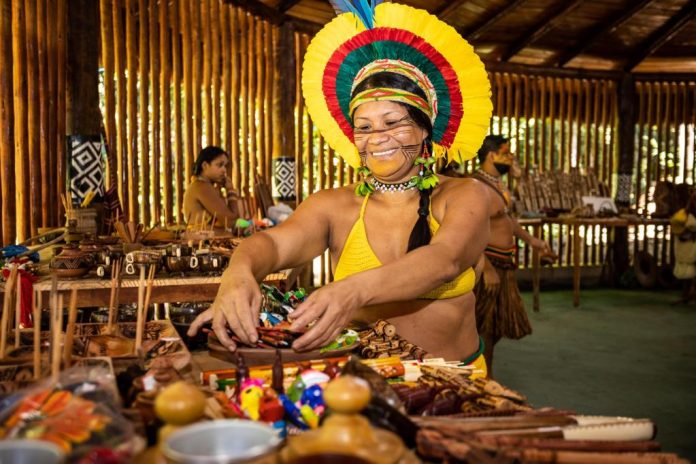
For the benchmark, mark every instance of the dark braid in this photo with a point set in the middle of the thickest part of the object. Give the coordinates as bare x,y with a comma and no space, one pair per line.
420,235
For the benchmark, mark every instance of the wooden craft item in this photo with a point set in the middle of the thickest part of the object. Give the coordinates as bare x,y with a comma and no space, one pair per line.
18,310
139,317
7,303
70,330
56,329
36,319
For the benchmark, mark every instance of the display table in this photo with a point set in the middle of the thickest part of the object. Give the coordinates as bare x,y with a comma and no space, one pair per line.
575,223
96,292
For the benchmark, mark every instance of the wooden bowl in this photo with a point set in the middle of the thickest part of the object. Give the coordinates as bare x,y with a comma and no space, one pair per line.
261,356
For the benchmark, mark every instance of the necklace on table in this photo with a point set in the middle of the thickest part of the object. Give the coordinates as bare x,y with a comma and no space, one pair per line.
400,187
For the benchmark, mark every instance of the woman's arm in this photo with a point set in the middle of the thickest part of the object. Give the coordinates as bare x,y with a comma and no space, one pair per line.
458,244
299,239
211,199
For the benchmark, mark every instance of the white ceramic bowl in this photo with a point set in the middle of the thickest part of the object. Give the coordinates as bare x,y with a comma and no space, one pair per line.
229,441
29,452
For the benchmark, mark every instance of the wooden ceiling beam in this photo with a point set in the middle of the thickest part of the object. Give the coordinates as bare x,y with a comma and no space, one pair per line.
655,40
479,29
597,33
448,8
541,28
285,5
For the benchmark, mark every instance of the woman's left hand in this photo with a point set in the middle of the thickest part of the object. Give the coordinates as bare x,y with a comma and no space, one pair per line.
332,306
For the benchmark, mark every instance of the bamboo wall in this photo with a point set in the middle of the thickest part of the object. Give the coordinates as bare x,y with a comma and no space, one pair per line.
179,75
32,115
185,75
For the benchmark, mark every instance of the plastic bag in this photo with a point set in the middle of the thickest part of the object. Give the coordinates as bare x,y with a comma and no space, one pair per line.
79,412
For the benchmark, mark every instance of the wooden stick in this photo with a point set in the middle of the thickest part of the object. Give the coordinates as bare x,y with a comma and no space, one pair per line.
155,191
70,330
36,309
56,330
148,292
7,121
139,314
7,302
165,101
118,264
178,137
18,309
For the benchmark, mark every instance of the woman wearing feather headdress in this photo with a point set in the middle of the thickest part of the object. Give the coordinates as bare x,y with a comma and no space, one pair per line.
391,88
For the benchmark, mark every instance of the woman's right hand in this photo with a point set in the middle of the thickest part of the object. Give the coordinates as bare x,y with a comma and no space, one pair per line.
236,305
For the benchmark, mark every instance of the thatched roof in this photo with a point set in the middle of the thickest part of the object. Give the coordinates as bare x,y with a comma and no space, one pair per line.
629,35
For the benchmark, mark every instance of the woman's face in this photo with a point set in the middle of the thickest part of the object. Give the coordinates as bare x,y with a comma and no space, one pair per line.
387,139
216,170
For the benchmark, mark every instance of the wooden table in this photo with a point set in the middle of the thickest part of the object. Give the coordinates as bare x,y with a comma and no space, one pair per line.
536,225
96,292
610,223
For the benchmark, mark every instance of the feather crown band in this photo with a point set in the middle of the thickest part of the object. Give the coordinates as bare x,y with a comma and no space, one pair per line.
369,38
407,70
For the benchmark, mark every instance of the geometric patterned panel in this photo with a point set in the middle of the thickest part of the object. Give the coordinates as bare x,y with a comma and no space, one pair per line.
623,189
86,168
284,178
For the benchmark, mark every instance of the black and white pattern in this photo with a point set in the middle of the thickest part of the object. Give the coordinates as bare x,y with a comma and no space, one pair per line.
624,186
284,178
86,168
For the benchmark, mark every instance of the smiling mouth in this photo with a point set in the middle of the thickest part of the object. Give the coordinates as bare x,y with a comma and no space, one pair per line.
378,154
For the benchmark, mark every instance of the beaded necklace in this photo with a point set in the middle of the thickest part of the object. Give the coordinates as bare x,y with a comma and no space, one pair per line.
400,187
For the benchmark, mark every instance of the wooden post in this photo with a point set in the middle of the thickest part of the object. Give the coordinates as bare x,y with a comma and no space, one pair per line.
627,119
20,116
7,184
284,84
83,68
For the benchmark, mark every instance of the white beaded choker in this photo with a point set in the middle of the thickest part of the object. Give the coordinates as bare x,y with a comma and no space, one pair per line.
401,187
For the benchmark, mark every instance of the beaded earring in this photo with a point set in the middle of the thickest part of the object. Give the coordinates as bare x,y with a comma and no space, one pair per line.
364,187
426,178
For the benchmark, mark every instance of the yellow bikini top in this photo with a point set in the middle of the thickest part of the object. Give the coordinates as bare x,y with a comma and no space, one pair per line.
357,256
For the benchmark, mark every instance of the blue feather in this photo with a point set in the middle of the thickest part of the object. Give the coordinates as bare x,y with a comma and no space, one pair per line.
363,9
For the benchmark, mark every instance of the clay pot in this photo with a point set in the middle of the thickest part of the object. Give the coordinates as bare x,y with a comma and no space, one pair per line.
72,262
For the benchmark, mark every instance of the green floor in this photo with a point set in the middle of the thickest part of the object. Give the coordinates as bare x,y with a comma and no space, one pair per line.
621,352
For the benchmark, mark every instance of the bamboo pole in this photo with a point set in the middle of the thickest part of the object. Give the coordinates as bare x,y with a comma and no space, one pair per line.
20,117
131,60
7,177
184,16
41,39
530,106
552,115
70,329
517,91
107,59
226,128
144,114
32,107
236,94
251,103
216,102
684,119
587,111
195,20
321,165
595,120
612,135
155,191
36,320
207,69
61,83
268,102
52,96
243,102
260,128
180,155
544,124
165,102
121,127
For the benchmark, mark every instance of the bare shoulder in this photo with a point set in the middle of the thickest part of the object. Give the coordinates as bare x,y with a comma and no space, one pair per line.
459,189
330,201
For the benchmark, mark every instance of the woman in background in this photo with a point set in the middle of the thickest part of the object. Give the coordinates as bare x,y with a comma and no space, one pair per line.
210,193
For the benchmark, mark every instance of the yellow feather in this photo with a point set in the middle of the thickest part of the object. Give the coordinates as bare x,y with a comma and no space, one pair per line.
471,74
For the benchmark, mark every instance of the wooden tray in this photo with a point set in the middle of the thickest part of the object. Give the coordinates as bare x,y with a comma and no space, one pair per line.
260,356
